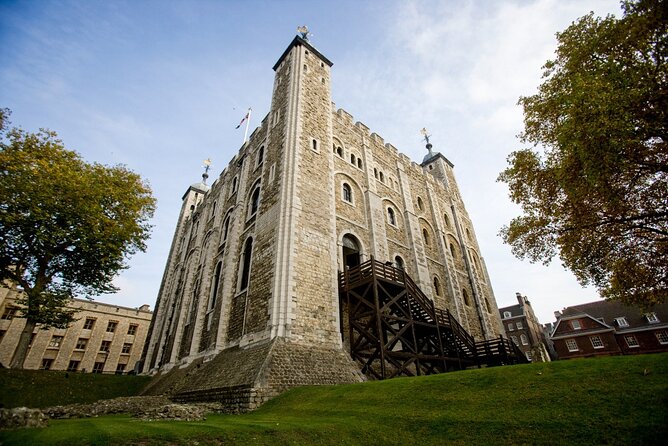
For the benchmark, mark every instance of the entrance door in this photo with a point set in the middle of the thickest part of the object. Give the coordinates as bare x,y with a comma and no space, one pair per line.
351,251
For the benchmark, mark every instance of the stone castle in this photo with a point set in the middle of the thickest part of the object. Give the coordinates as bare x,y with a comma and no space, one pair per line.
249,300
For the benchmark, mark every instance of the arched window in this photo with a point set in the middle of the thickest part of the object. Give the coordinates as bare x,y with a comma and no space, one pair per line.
465,295
375,173
506,314
468,234
226,227
353,160
234,184
260,156
419,203
246,264
447,220
347,193
382,177
254,202
359,162
391,218
399,262
524,340
339,151
453,251
214,288
213,210
437,286
425,236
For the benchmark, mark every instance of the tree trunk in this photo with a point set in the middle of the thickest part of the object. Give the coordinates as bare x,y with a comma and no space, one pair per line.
21,351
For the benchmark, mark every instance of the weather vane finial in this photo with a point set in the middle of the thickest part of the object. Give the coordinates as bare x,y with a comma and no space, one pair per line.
425,134
207,166
303,30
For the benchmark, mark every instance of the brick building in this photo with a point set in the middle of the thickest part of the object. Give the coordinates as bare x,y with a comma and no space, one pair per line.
609,328
104,338
250,284
523,328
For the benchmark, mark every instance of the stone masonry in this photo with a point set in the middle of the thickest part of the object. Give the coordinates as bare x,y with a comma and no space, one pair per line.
248,304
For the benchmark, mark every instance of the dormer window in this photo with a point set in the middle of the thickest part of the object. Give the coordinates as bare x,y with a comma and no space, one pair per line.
575,324
506,314
621,322
651,318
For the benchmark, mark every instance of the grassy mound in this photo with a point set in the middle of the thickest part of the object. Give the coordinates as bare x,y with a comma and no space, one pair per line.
614,400
39,388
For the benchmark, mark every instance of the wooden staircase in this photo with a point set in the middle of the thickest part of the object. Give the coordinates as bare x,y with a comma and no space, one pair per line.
391,328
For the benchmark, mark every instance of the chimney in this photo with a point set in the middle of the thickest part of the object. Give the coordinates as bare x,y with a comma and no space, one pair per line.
557,314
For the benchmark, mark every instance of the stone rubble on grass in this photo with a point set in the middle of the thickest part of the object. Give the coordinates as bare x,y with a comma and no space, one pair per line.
22,417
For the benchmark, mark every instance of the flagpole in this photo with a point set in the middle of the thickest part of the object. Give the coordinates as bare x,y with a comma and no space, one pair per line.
248,116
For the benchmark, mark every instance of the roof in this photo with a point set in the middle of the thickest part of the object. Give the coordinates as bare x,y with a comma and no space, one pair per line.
515,310
610,310
300,41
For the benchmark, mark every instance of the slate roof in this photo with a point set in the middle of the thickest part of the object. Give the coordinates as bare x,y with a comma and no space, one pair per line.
610,310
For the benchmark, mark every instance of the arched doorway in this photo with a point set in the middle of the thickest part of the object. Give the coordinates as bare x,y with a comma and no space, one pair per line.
351,251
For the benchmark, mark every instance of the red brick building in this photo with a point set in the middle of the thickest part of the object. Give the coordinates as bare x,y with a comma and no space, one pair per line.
610,328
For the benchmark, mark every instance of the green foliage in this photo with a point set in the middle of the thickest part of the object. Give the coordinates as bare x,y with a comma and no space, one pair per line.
66,226
41,388
598,194
613,400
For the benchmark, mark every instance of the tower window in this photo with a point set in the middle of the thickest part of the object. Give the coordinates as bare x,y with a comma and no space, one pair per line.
437,286
419,204
375,173
234,184
246,264
255,202
425,236
446,220
314,145
399,262
353,160
347,193
382,177
359,162
391,218
226,227
214,288
260,156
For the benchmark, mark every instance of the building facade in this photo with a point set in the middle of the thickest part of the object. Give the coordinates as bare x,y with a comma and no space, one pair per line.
255,256
609,328
524,329
104,338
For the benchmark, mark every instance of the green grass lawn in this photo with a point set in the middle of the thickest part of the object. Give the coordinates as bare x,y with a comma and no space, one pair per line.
616,400
40,388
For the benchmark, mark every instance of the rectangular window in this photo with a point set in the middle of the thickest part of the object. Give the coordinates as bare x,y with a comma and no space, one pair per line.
120,368
88,325
596,341
126,348
576,324
98,367
104,347
631,341
55,342
511,327
651,318
111,326
46,364
132,329
571,345
82,343
520,325
73,366
621,322
514,338
662,336
9,313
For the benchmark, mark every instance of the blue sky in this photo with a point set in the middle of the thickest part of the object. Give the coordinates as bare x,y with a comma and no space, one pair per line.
160,85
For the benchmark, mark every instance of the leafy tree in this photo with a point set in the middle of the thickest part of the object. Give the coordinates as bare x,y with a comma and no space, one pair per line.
66,226
594,187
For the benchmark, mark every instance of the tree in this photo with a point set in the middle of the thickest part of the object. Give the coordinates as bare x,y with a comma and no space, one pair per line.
66,226
594,187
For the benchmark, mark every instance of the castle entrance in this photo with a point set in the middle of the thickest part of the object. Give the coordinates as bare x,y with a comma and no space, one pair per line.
351,251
